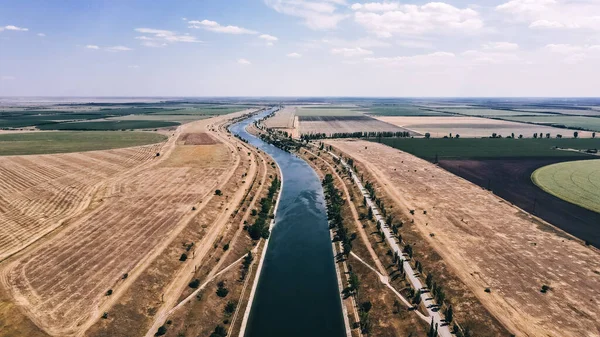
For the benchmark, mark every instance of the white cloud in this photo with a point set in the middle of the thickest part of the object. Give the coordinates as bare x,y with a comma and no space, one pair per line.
553,14
351,52
216,27
7,78
490,57
270,39
92,46
41,34
243,62
317,15
563,48
14,28
294,55
386,20
545,24
362,42
376,6
437,58
161,38
133,66
118,48
415,44
501,46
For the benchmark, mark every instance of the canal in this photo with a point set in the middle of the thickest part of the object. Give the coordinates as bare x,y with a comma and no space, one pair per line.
297,293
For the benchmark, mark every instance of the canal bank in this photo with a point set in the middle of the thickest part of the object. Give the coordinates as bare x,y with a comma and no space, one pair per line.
297,289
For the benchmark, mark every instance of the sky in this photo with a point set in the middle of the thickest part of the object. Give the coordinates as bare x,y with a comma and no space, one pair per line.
455,48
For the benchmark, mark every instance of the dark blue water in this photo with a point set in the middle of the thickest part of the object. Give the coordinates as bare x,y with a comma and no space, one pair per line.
297,293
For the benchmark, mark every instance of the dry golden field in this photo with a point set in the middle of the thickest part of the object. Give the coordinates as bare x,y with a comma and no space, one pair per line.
489,243
123,208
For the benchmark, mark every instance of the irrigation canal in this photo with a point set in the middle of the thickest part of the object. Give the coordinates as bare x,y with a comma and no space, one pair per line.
297,292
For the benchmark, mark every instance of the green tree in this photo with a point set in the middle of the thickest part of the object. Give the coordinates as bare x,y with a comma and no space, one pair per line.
449,314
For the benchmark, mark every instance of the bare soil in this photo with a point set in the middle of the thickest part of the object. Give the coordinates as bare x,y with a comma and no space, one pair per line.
510,179
489,243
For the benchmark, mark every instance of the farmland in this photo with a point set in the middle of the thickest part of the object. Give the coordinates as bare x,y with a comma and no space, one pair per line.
473,127
573,122
108,125
472,148
490,244
91,217
62,142
577,182
343,124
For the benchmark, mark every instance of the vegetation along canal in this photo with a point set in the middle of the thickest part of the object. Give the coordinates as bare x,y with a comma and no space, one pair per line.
297,293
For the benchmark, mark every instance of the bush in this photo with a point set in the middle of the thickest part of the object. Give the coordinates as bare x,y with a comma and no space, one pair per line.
366,306
109,292
230,307
161,331
545,289
194,284
222,292
218,192
226,247
219,332
183,257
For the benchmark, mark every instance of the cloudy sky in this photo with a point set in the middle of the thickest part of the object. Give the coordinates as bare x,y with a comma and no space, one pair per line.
300,48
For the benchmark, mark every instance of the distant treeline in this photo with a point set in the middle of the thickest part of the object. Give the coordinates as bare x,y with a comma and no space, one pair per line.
385,134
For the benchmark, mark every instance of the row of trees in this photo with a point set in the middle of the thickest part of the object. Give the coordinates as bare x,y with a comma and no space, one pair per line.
360,134
334,213
260,228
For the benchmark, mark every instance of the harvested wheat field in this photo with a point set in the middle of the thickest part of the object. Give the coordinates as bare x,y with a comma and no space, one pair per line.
64,282
492,244
284,120
330,125
39,192
473,127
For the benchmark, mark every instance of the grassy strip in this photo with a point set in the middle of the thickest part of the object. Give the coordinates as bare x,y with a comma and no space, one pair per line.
489,148
63,142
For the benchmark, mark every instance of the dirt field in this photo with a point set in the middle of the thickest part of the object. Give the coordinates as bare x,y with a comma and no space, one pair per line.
65,283
284,120
491,244
343,124
474,127
39,192
511,179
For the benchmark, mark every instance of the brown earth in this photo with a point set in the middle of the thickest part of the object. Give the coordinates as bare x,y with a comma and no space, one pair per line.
489,243
61,283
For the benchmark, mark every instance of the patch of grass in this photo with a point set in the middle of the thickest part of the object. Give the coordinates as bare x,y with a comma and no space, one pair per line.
62,142
401,110
576,182
479,148
574,122
108,125
303,112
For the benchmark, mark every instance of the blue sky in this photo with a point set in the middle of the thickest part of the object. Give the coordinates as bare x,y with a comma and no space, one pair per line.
300,48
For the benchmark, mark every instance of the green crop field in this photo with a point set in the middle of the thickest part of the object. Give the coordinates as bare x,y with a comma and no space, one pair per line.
401,110
108,125
488,148
62,142
577,182
312,112
579,122
482,112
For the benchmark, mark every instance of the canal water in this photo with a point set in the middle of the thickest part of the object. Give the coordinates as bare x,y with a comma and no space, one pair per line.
297,293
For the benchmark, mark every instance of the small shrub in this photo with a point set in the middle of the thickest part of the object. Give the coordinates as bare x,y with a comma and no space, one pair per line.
412,212
125,276
183,257
218,192
194,284
105,315
545,289
226,247
109,292
230,307
487,290
161,331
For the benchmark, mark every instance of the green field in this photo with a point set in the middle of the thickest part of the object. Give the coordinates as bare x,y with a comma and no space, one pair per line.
577,182
108,125
579,122
62,142
477,112
327,112
488,148
401,110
